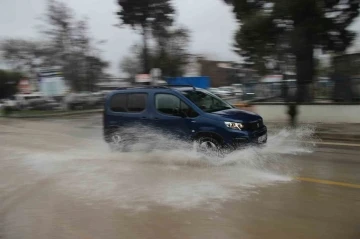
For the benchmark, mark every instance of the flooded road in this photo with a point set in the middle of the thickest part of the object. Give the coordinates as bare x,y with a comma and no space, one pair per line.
58,179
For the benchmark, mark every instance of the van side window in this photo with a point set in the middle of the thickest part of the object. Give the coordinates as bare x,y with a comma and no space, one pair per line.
172,105
187,110
133,102
118,103
136,102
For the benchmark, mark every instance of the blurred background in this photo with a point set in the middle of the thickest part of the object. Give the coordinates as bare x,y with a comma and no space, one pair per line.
67,55
290,61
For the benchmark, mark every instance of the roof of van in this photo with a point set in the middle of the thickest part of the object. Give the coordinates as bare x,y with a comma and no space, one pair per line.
167,87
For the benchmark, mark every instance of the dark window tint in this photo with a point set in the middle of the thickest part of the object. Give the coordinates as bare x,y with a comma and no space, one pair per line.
136,102
188,111
167,104
172,105
118,103
128,102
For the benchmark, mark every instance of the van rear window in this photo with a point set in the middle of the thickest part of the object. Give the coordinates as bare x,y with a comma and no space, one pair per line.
133,102
118,103
136,102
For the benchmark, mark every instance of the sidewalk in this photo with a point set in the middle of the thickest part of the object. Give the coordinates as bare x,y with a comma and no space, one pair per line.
340,132
326,132
50,114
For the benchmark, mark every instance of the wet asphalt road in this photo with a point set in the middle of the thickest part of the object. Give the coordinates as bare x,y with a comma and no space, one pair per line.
59,180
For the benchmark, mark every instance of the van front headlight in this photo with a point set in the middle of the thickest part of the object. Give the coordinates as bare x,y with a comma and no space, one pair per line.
234,125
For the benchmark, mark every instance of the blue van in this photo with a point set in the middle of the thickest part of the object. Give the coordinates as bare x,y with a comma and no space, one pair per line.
186,112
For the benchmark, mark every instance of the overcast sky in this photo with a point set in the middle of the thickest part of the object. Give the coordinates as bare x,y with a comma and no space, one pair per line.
211,23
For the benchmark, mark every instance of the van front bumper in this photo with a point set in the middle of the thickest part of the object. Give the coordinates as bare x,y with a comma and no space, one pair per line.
244,138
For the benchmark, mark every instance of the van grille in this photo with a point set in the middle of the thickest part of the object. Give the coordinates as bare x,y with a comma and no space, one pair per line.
254,125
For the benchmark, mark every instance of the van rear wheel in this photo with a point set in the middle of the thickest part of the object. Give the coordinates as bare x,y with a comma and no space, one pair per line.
117,143
115,138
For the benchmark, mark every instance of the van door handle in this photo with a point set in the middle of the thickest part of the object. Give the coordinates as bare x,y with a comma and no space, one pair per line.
144,117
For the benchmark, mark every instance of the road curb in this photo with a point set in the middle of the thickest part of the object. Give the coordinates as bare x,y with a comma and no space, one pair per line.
332,137
51,115
338,137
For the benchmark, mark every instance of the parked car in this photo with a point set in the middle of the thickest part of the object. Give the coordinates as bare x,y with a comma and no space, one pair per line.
1,105
214,90
84,100
191,114
23,101
10,103
226,91
220,92
77,100
96,99
43,104
238,90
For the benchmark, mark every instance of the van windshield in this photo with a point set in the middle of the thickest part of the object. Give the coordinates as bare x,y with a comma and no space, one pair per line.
206,101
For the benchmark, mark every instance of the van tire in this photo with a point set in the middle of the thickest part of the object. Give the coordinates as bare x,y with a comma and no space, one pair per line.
209,141
116,142
209,146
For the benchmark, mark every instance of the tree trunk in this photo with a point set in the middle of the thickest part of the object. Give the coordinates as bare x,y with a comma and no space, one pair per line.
305,73
304,52
145,52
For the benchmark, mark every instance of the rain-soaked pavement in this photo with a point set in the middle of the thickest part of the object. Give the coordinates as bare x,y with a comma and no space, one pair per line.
58,179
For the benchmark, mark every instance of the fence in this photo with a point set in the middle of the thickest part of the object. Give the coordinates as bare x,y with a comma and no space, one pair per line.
347,90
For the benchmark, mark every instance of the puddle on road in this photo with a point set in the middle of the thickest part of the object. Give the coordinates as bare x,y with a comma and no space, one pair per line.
176,176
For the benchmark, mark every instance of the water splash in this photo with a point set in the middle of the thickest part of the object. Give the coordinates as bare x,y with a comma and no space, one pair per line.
171,174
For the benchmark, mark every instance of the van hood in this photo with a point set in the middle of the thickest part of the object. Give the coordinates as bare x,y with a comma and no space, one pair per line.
235,114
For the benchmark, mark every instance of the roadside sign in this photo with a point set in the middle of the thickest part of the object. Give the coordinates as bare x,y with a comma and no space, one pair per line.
24,86
51,81
143,78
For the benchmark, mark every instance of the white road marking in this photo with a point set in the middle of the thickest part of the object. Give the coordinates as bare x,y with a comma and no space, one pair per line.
334,143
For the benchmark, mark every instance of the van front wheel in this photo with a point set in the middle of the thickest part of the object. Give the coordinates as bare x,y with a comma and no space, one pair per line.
209,146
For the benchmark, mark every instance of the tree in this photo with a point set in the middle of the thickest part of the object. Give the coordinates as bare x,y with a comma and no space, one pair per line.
8,83
95,71
298,26
66,43
131,64
23,55
323,68
169,53
69,42
59,28
146,16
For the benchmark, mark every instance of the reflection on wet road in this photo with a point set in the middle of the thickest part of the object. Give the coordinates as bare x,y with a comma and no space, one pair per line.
58,179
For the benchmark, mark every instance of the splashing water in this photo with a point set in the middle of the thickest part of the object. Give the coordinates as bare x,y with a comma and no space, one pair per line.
66,175
173,174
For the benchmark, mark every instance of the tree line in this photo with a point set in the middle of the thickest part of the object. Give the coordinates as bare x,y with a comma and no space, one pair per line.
65,42
280,32
286,32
